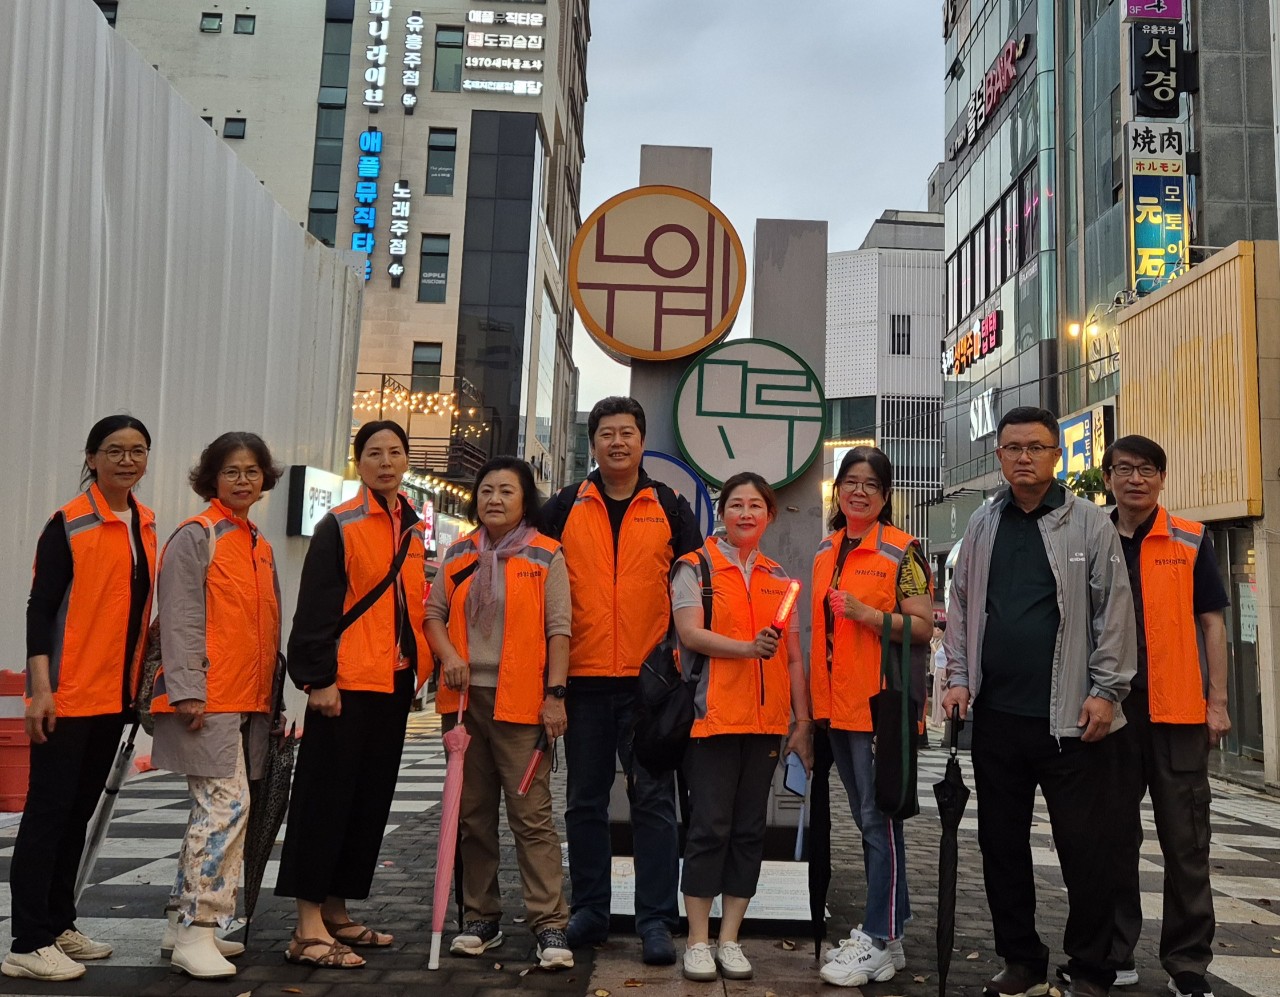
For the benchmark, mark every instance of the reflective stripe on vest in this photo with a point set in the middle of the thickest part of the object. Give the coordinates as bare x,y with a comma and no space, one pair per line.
842,693
87,660
1176,668
242,618
742,695
621,606
523,633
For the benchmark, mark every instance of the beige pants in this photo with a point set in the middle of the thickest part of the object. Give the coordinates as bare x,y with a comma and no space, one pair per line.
212,853
496,759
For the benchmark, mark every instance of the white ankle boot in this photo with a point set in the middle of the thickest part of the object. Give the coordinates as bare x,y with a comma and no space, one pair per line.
227,948
195,953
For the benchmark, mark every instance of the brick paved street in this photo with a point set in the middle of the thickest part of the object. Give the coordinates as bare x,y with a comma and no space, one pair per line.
138,864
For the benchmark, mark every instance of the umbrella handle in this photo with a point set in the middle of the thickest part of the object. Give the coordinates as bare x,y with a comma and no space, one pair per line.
957,725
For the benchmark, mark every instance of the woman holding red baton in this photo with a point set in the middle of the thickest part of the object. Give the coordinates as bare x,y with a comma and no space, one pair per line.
498,619
750,683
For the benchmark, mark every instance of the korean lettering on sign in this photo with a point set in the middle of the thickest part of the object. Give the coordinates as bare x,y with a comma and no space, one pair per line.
519,18
1157,195
375,75
365,216
398,243
1153,10
479,39
980,341
411,75
1157,74
521,88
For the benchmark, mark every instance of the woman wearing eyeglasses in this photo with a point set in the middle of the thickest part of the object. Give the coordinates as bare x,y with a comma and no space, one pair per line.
220,638
865,570
89,605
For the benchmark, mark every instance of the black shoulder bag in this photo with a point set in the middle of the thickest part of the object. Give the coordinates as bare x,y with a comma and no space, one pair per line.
366,601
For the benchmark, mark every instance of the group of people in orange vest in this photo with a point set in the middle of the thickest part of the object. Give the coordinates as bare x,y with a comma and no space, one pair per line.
540,620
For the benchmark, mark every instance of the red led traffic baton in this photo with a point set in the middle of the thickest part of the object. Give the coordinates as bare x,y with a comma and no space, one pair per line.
787,604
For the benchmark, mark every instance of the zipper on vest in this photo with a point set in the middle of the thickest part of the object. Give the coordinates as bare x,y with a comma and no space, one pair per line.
751,609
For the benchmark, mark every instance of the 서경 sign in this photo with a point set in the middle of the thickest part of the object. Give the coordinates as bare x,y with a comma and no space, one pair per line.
657,273
750,405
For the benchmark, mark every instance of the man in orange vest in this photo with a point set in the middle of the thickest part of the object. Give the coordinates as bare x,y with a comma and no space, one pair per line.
620,531
1178,599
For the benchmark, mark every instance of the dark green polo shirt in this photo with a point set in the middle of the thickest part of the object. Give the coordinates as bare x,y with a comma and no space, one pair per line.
1022,613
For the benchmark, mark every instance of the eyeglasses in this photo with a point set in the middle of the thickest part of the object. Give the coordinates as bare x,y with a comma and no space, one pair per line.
868,487
117,454
1014,452
235,474
1126,470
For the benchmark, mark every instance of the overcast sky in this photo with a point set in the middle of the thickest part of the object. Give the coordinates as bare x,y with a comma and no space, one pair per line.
826,109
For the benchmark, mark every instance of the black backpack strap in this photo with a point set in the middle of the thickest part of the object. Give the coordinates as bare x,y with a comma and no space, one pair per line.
670,502
556,511
374,594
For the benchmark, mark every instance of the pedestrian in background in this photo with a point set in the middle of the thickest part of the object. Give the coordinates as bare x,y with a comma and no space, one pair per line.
868,569
621,531
219,602
752,683
499,621
1177,711
359,666
1040,639
86,620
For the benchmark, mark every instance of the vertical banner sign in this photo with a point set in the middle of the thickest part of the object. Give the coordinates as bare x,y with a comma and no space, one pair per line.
412,74
397,245
365,216
1158,77
1157,202
375,75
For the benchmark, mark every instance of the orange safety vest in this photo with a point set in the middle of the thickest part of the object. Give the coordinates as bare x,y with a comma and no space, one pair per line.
742,695
86,664
369,649
1175,679
842,691
522,679
621,602
241,617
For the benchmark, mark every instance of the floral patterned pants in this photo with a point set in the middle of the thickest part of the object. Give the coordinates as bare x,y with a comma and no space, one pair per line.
212,853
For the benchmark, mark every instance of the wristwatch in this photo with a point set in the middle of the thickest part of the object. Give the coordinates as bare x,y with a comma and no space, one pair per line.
559,691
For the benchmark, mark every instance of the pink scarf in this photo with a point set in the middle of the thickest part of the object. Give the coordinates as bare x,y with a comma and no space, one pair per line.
481,606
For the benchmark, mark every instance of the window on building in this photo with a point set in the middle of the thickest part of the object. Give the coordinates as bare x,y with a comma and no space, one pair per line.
433,274
1029,210
966,280
953,291
995,241
980,289
427,358
109,10
326,169
1117,149
207,121
233,128
900,335
211,23
448,74
246,24
442,149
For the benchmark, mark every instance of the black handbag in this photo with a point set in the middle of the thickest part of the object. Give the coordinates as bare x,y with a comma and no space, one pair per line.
665,710
894,713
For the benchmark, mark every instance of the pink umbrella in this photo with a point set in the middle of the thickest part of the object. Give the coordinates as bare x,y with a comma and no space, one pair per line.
455,743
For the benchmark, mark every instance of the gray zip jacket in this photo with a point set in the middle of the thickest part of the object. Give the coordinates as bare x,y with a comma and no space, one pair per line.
1096,650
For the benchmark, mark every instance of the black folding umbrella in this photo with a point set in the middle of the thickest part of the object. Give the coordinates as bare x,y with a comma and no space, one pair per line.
268,803
820,836
106,807
952,796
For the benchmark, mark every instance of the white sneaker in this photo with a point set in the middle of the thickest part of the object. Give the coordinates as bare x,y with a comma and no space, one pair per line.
732,961
48,963
227,948
1126,978
196,954
699,964
80,947
896,953
858,962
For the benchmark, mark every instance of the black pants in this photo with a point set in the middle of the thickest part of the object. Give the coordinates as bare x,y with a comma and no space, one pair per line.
1172,761
729,776
1012,755
67,775
343,785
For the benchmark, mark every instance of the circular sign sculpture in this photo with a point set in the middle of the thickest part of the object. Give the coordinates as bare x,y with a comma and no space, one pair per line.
750,405
657,273
683,480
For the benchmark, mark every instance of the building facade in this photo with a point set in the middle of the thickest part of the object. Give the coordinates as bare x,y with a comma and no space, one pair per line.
443,143
884,322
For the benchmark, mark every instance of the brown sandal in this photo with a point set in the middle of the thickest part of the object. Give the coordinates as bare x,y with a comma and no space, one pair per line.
334,956
366,938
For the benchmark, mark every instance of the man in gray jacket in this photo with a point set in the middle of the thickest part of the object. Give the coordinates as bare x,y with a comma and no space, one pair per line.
1040,639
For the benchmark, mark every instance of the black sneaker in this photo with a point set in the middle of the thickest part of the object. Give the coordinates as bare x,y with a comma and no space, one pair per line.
1190,985
657,948
553,950
586,929
478,938
1016,980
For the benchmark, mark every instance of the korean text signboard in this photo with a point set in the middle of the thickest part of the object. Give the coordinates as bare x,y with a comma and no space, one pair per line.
979,342
1153,10
365,215
1157,203
1158,76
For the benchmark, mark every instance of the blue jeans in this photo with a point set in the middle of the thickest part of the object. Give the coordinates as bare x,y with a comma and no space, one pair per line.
601,725
884,853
